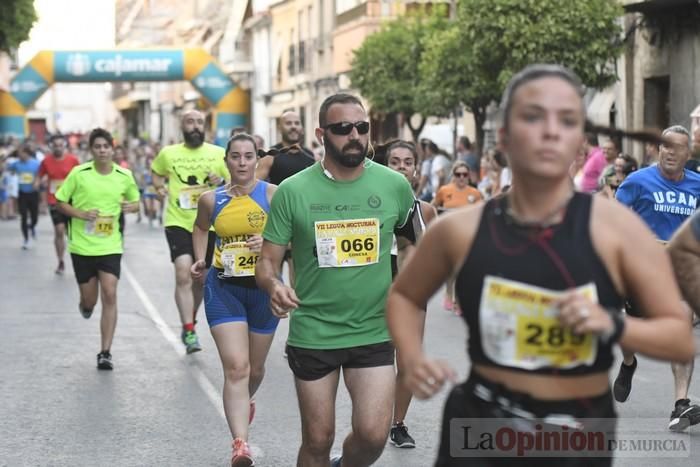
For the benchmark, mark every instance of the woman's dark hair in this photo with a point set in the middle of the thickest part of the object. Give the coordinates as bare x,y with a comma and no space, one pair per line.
531,73
100,133
240,137
630,164
382,151
534,72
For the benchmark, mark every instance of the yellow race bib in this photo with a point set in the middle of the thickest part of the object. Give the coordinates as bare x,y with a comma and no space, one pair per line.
189,196
102,226
347,243
238,260
520,327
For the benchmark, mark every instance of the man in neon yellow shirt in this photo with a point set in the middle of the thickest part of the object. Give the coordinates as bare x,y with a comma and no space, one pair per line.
94,195
191,168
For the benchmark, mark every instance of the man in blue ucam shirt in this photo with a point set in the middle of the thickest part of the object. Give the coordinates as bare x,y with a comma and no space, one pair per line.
664,195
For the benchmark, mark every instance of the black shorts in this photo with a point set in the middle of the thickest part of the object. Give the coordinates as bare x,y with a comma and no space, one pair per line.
86,267
477,402
313,364
180,243
57,217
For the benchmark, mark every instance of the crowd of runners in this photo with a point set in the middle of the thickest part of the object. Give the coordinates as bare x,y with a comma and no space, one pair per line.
552,249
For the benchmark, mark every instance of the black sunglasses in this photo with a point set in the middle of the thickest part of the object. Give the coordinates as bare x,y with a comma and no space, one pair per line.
345,128
461,174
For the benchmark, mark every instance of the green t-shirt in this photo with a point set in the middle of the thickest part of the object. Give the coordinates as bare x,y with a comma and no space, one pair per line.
87,189
333,223
187,171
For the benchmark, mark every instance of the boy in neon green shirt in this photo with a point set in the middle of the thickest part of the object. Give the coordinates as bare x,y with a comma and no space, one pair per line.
95,195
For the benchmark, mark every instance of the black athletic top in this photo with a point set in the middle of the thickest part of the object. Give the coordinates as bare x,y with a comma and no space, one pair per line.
286,164
507,257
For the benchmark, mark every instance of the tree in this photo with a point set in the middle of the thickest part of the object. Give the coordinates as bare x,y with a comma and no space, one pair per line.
385,66
16,20
471,61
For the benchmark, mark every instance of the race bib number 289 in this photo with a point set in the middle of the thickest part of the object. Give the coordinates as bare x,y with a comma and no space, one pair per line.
347,243
520,327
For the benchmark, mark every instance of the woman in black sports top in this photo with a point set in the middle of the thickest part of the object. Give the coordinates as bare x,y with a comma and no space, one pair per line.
540,286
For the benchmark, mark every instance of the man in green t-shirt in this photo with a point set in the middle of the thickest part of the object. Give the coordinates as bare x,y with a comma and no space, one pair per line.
191,168
339,215
94,195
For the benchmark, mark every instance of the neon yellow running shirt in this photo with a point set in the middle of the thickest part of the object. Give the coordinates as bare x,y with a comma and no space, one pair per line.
87,189
187,170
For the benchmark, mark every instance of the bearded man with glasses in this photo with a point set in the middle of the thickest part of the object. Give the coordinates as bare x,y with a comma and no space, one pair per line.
339,216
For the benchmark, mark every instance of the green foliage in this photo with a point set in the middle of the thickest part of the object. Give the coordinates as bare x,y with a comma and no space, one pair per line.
472,60
16,20
385,66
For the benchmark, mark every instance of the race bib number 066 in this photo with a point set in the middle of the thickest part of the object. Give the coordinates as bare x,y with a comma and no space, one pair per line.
520,327
347,243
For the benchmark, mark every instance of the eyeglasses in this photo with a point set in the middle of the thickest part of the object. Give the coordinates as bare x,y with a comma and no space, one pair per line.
461,174
345,128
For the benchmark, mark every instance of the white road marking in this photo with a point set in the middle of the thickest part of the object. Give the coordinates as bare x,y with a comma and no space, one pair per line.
211,392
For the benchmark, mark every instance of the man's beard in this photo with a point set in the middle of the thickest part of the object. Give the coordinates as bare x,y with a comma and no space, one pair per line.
288,141
342,157
194,138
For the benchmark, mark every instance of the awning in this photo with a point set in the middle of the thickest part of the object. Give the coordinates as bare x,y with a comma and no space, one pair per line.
599,109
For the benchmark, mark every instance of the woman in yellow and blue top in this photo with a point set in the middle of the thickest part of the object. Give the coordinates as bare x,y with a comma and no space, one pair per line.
238,311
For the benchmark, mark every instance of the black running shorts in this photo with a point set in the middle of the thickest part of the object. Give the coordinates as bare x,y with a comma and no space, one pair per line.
313,364
57,217
180,243
86,267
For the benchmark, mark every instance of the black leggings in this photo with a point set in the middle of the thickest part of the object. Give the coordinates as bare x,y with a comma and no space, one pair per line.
468,413
28,205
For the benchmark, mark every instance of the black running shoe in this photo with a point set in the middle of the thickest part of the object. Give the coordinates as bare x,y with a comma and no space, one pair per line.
684,415
104,361
400,438
85,312
623,383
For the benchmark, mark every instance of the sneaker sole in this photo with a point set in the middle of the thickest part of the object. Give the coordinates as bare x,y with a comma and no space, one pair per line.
103,366
406,445
679,424
193,349
242,462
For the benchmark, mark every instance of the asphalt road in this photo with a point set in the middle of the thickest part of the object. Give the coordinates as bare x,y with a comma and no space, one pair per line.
161,407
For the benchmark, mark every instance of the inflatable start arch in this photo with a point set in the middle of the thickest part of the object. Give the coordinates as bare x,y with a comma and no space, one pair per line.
230,102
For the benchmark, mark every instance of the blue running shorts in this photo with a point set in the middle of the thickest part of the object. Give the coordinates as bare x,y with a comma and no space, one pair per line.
225,302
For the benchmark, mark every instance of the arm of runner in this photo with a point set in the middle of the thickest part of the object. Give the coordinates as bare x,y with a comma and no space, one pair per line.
406,248
69,210
262,172
200,233
283,299
644,273
438,254
684,249
158,182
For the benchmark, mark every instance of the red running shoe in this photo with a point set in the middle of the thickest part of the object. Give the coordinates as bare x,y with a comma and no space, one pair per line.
241,456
